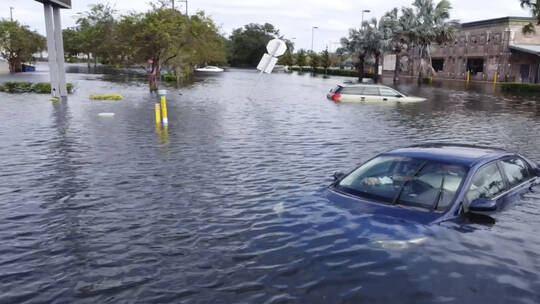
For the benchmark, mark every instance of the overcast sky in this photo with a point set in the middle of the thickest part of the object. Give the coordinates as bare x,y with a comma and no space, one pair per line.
294,18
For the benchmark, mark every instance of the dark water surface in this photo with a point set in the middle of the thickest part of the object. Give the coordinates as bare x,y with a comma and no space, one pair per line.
226,205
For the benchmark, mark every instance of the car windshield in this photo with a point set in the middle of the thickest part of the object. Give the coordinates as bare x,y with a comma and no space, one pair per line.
406,181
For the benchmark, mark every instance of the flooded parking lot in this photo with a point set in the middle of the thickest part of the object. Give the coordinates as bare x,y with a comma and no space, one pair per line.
226,205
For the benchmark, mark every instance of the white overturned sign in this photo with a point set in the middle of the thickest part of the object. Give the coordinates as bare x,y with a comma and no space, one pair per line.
275,48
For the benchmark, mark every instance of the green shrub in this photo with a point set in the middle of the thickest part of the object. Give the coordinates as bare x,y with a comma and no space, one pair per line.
17,87
169,77
107,97
520,88
42,88
28,87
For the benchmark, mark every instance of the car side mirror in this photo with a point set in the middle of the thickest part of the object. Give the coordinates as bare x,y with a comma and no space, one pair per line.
482,205
338,176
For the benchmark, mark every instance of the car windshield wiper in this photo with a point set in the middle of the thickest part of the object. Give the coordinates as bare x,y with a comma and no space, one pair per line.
398,194
441,189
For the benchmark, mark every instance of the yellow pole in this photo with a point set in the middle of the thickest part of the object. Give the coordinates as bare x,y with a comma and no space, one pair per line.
431,80
468,76
158,114
496,78
163,96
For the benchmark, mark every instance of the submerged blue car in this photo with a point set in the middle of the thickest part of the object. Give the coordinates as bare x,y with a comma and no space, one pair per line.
432,183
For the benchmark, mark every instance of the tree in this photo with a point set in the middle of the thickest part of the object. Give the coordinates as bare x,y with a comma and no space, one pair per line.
287,58
96,32
72,42
431,25
248,44
203,45
18,44
374,43
395,29
156,37
535,11
325,60
301,58
354,46
314,61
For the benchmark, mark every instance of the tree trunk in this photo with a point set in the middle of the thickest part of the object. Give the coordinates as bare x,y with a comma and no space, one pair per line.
88,59
397,67
421,67
15,65
376,72
154,75
360,68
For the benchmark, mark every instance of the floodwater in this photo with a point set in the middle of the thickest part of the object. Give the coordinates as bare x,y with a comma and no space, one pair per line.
226,205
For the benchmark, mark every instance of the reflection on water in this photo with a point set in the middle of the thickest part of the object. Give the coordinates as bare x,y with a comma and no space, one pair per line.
226,204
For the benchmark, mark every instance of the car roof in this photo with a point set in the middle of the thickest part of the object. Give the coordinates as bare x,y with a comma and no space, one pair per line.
356,85
459,154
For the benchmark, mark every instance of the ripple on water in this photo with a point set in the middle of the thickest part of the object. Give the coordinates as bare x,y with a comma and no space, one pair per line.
226,205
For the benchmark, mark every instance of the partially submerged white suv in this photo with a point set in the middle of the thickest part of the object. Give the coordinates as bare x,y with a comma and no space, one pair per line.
368,93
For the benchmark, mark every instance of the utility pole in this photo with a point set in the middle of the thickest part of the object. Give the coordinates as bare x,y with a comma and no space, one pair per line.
364,11
172,4
312,34
186,2
11,12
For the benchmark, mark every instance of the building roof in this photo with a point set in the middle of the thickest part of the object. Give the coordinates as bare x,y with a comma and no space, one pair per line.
467,155
531,49
496,21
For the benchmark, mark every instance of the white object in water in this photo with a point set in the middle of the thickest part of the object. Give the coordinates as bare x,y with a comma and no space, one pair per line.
105,114
401,244
279,208
210,69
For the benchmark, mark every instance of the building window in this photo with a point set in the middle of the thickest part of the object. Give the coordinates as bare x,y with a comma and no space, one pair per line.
437,64
475,65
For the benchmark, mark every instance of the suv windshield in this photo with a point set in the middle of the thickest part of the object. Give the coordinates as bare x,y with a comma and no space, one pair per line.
406,181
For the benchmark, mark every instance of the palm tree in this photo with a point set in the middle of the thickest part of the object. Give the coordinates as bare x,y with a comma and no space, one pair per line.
374,43
396,32
354,46
535,10
431,25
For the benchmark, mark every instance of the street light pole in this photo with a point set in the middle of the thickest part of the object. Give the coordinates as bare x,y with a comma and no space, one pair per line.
364,11
11,12
312,34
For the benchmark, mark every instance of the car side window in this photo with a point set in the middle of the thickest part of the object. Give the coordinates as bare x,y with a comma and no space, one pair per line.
388,92
352,91
487,183
371,91
516,171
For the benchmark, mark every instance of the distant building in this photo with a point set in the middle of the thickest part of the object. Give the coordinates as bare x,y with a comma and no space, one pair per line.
4,66
484,48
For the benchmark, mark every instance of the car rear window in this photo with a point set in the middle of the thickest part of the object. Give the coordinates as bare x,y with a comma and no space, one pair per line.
336,90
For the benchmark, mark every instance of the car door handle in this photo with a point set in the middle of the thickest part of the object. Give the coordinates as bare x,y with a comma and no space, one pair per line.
385,99
362,98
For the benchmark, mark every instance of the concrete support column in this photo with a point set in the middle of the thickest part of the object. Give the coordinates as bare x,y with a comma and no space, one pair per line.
59,44
51,50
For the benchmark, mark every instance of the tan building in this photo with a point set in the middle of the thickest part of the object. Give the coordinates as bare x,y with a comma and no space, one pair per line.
484,48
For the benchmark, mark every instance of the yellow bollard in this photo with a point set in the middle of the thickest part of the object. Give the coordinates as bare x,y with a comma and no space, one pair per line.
496,78
158,114
431,80
468,76
163,97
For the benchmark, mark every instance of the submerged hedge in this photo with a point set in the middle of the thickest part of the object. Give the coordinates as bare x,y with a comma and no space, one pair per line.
520,88
333,72
15,87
